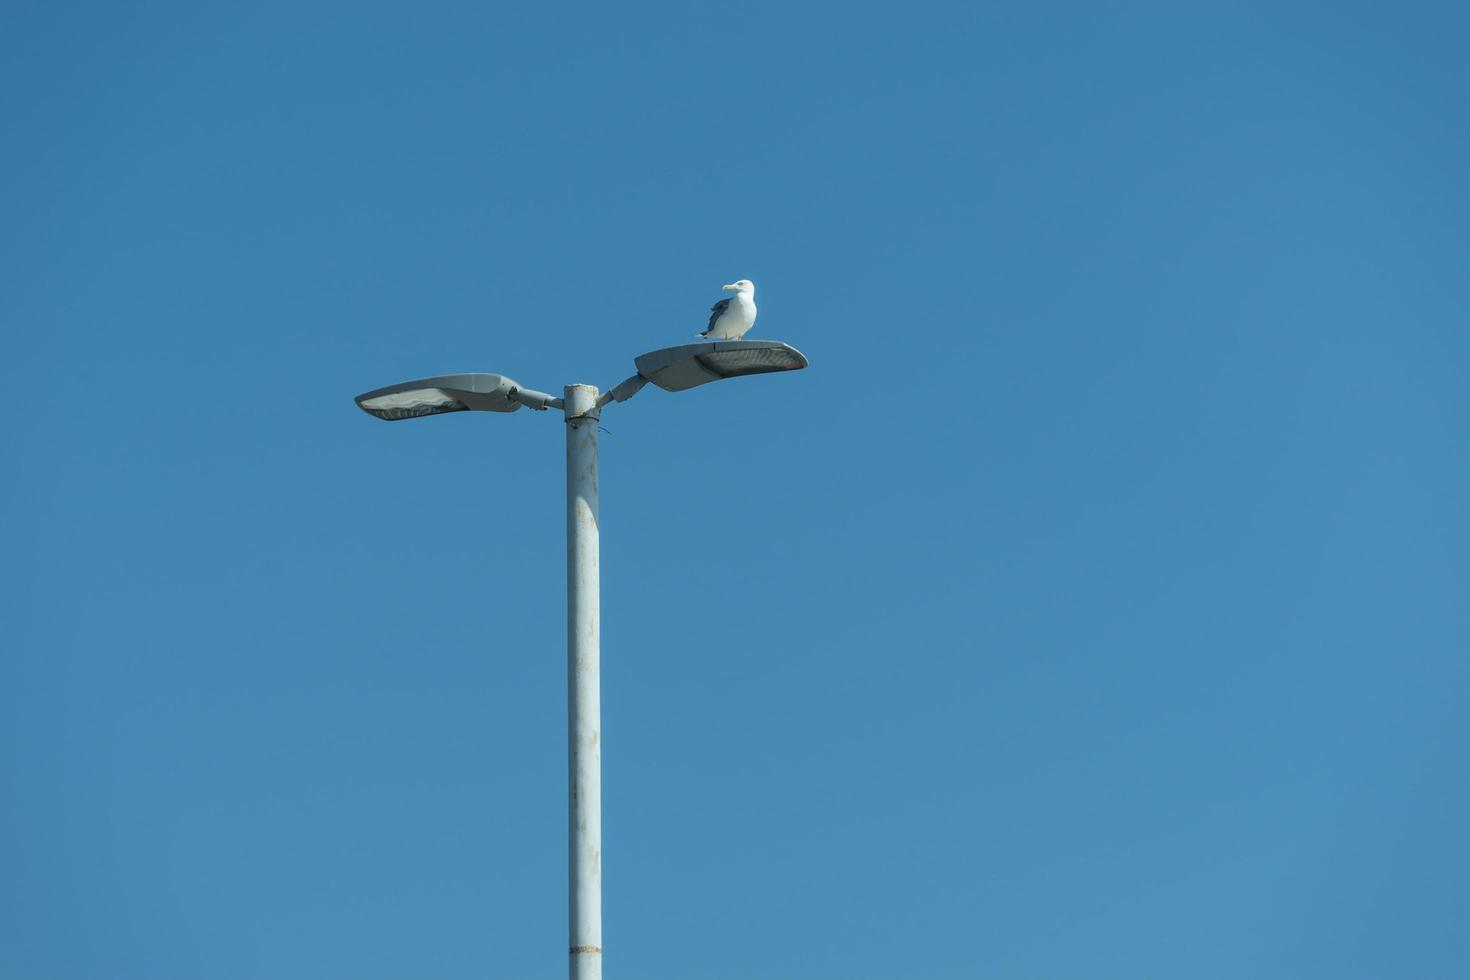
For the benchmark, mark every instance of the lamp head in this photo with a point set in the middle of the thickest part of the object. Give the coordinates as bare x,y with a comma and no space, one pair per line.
436,396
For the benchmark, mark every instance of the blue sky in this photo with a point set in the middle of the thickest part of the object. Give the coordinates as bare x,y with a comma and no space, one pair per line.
1094,606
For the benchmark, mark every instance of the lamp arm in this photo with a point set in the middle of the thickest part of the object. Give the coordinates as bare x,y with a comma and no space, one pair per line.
622,391
539,400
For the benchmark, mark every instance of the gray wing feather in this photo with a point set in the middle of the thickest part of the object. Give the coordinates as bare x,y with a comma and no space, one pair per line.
716,311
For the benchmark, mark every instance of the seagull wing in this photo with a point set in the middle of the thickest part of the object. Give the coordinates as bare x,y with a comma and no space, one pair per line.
717,311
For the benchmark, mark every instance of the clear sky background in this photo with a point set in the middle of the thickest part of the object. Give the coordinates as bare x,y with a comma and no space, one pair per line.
1094,607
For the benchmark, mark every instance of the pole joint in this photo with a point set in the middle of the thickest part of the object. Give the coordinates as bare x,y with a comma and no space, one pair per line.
580,403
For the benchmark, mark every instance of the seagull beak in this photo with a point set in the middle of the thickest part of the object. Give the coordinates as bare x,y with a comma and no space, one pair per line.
729,287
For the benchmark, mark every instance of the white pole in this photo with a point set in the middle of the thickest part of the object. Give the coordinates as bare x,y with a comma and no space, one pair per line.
584,714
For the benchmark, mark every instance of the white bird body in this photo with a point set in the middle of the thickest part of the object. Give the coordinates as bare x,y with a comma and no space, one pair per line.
730,318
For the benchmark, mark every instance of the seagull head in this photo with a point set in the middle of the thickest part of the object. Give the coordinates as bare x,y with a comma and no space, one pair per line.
740,286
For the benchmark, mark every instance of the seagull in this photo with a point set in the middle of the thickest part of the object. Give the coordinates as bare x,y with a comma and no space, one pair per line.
732,316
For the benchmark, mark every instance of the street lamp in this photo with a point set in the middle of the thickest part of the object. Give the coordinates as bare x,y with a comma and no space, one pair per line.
672,369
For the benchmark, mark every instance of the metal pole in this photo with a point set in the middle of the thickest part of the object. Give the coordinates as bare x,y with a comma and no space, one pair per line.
584,714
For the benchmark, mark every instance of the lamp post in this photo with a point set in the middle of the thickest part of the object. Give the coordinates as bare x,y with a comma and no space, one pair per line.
673,369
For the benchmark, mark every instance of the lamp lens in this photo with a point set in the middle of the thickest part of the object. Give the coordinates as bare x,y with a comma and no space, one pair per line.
760,360
413,404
